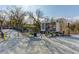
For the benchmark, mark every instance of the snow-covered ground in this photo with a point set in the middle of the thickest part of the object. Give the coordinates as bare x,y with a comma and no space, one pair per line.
77,36
17,43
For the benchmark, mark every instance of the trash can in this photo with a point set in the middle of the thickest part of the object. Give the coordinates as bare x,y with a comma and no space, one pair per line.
2,34
35,34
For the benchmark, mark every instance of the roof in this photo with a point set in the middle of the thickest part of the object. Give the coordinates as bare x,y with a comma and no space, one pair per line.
45,20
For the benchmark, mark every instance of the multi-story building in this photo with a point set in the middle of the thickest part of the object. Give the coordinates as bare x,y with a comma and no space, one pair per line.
46,25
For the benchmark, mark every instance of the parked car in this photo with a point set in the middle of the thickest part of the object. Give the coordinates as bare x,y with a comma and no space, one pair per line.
54,33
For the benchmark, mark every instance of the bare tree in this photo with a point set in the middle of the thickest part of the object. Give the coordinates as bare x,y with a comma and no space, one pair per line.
39,14
36,19
16,13
2,18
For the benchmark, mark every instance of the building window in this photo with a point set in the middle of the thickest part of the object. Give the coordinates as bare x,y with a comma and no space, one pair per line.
43,26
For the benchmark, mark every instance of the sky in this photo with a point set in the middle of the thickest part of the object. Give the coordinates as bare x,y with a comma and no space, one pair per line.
57,10
52,10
